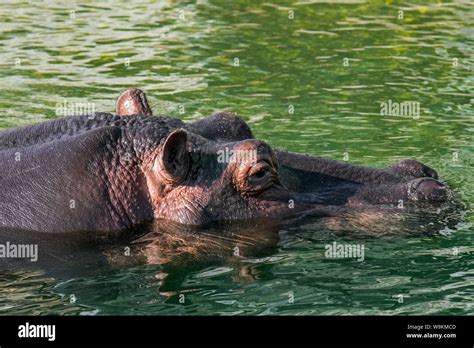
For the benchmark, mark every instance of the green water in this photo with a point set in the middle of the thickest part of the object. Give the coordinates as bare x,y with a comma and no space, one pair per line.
290,80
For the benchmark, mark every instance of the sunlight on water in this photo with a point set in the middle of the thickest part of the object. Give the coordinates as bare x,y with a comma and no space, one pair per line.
314,83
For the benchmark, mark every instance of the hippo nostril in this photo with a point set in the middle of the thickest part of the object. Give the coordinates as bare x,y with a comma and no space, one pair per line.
415,168
430,189
431,173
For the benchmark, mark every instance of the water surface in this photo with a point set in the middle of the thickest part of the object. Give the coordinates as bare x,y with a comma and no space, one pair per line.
310,81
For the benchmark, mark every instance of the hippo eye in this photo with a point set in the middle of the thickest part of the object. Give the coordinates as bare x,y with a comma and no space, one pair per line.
259,176
254,178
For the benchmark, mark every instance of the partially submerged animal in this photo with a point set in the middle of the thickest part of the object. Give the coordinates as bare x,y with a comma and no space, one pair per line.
107,172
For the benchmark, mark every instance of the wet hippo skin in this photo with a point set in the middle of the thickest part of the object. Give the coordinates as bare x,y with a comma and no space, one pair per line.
107,172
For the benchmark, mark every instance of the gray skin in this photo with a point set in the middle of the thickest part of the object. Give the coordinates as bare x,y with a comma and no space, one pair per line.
106,173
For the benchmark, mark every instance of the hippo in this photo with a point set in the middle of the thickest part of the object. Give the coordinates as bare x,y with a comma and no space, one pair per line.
115,172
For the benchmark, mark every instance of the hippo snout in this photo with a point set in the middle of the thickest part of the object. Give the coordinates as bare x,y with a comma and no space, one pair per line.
428,189
414,168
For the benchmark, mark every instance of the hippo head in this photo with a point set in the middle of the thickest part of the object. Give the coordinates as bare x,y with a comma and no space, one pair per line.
107,172
214,170
199,173
193,180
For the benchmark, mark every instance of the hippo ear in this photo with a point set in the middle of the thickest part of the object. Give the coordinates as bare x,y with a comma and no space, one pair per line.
132,102
175,158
